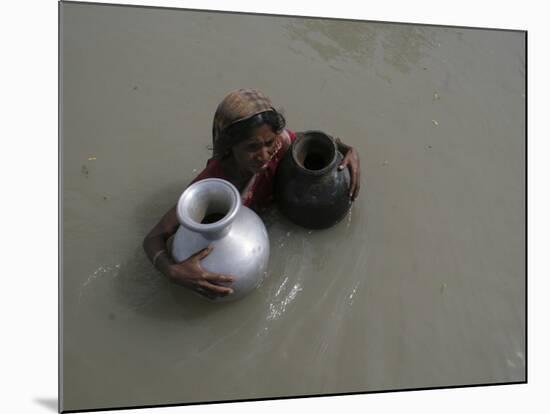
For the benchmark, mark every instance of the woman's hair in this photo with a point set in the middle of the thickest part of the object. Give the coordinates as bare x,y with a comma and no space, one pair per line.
243,130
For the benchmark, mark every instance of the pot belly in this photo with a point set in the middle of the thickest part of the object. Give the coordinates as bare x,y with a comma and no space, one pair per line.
242,253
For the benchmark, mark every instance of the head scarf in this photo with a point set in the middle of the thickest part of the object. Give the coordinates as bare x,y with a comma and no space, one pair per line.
238,106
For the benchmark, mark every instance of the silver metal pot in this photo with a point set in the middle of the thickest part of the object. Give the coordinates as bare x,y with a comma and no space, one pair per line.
210,212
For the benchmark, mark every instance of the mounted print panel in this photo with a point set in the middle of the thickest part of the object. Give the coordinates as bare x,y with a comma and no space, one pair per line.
419,284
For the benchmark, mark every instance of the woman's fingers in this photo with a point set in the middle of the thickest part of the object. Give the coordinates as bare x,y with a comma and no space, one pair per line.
356,190
355,174
353,177
203,292
212,288
217,278
350,162
343,164
201,254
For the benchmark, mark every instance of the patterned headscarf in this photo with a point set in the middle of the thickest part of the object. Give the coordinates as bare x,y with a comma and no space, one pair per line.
237,106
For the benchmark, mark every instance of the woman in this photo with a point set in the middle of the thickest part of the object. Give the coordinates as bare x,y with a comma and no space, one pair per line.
249,140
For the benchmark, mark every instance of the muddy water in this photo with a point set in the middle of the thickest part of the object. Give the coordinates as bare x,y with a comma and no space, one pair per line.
421,285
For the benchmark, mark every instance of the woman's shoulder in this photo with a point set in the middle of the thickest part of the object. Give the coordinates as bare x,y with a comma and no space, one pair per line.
289,135
287,138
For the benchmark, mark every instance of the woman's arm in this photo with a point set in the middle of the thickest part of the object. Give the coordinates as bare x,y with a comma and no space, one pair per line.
351,160
155,243
189,272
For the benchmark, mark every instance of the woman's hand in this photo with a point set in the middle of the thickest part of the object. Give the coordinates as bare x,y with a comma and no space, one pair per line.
191,274
351,160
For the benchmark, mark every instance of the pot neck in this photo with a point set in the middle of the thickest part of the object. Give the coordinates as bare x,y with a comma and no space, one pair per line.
209,207
315,153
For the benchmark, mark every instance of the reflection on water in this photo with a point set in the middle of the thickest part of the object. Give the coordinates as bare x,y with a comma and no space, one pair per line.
400,46
277,309
333,40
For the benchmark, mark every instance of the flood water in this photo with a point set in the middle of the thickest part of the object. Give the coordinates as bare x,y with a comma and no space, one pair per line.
421,285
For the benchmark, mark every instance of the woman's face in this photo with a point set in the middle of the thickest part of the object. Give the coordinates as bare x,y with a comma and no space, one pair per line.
253,154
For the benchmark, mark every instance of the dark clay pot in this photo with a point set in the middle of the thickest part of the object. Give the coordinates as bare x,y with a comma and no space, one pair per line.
309,188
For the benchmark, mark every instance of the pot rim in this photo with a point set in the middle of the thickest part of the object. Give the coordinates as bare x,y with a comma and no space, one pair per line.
314,134
229,190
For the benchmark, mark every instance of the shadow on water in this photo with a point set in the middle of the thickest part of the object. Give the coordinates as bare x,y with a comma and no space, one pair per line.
142,289
49,403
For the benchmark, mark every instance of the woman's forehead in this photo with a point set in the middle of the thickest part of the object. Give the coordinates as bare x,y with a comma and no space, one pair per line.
261,134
